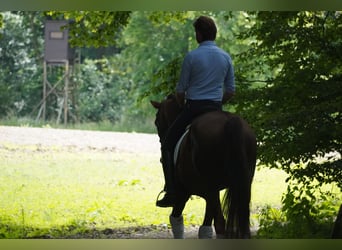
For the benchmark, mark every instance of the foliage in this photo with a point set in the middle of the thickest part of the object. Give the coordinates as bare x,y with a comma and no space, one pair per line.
20,57
307,212
93,28
100,95
296,114
154,40
295,110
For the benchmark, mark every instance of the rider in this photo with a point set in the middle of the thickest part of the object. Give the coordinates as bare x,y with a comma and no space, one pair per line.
206,82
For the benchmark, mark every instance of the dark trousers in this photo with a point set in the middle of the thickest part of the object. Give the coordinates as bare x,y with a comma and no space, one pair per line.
192,109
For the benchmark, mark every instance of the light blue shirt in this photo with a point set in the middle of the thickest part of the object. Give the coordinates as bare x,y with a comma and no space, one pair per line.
206,72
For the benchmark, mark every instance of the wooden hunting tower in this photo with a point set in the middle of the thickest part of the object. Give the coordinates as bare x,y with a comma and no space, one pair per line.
60,58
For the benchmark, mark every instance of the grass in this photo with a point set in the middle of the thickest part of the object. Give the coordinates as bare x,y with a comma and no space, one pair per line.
54,188
60,191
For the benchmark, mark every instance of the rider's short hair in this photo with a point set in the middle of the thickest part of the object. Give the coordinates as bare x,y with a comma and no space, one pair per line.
206,26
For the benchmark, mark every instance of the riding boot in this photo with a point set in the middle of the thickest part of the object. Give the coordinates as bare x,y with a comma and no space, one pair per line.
168,169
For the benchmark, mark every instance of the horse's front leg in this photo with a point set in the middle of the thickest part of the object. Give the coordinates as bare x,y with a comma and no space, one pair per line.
176,218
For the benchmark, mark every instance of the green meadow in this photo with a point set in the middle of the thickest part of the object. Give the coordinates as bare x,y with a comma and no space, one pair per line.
61,192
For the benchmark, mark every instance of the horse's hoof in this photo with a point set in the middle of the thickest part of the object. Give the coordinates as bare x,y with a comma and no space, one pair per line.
205,232
177,225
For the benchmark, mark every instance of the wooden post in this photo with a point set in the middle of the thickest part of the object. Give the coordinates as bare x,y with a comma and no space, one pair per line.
66,90
44,91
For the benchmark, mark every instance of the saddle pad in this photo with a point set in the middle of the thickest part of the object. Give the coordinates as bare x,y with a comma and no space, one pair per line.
176,152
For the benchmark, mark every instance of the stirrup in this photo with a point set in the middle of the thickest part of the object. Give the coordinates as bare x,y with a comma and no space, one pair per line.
163,191
166,196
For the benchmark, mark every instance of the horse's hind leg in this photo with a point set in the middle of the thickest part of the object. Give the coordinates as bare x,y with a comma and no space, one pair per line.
219,222
213,211
206,230
176,218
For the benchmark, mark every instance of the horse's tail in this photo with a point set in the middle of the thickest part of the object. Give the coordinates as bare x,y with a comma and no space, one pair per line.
236,200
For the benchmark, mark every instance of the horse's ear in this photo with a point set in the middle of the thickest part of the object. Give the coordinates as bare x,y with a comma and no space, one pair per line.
156,104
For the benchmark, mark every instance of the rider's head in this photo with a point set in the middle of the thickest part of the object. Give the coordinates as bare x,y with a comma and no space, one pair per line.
205,29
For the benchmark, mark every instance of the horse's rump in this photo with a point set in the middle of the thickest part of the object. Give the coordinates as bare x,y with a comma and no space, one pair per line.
204,152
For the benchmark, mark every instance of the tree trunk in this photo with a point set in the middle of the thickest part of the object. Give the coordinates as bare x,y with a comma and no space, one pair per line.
337,230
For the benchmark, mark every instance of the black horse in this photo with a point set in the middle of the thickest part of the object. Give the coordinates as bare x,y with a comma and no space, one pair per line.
218,152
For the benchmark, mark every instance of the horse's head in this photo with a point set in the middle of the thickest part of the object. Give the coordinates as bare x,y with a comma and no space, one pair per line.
168,111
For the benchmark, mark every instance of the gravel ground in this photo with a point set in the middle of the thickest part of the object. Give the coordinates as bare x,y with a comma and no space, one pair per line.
128,142
136,143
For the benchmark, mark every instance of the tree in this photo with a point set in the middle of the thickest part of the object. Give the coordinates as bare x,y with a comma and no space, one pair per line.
20,57
102,96
151,43
296,111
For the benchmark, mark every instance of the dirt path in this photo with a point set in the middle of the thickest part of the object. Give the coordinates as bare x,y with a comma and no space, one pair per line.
127,142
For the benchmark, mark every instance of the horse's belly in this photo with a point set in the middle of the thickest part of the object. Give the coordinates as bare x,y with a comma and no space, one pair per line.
200,181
